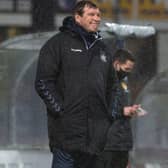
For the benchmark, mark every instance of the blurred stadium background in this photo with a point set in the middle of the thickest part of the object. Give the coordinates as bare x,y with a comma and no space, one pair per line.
20,106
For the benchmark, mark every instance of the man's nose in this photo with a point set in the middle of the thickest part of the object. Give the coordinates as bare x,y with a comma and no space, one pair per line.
97,17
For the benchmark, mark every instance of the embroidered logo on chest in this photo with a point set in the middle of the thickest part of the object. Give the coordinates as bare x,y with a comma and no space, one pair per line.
103,58
76,50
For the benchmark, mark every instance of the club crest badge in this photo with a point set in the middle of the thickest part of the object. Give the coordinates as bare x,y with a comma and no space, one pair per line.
103,58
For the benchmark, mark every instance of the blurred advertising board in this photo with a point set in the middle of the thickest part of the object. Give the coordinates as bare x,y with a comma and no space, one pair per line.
110,8
134,9
155,10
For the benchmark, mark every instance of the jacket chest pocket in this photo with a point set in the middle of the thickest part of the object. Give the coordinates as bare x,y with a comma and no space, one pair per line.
75,59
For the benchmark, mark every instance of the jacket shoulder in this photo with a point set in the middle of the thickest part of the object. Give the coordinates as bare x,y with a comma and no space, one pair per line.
56,38
54,41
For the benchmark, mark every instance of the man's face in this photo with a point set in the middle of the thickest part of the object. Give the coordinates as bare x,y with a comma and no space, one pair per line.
90,19
126,67
123,69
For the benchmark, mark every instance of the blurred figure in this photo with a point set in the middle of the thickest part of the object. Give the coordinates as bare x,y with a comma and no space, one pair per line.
119,136
73,76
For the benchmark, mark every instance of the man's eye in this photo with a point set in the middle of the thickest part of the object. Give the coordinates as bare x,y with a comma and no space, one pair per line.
91,14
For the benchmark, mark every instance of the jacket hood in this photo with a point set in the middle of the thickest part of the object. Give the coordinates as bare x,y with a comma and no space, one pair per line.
68,24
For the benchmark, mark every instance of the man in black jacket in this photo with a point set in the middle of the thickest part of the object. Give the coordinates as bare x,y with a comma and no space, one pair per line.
119,137
74,79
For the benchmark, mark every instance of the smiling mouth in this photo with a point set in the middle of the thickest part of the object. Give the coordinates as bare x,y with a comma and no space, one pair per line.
95,24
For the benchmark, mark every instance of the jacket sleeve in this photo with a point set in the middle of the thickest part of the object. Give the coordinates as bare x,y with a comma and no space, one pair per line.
48,70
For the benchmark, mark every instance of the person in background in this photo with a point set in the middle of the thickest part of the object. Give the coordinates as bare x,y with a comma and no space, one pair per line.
119,137
73,78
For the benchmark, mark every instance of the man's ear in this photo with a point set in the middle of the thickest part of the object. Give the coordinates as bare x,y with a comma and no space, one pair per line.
77,18
115,64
